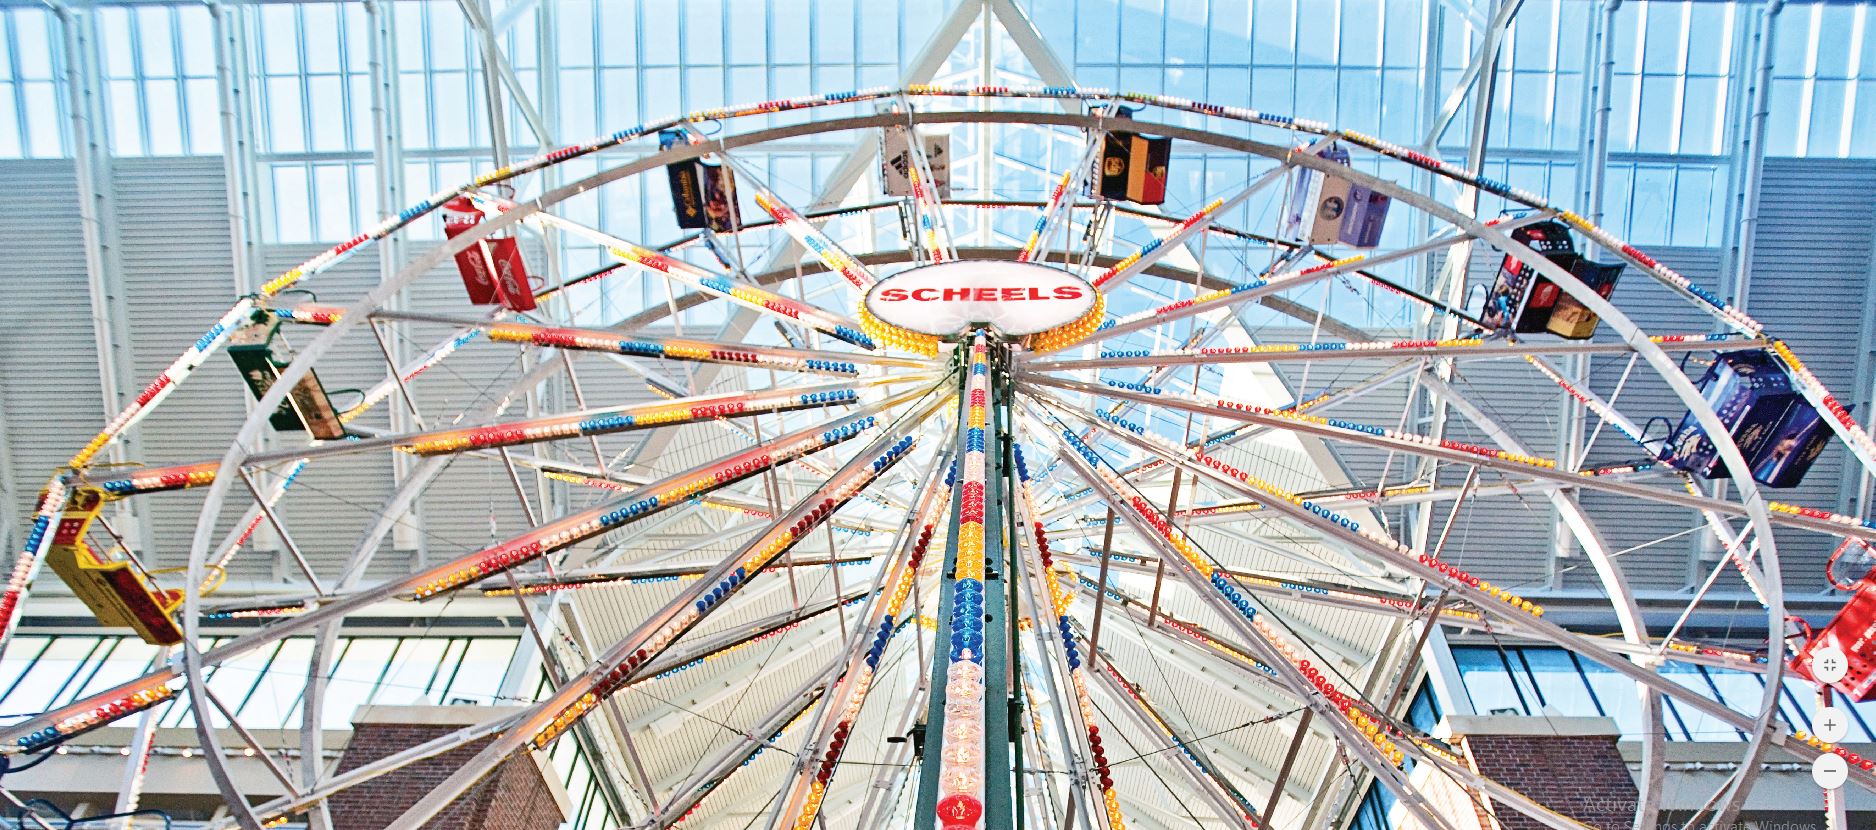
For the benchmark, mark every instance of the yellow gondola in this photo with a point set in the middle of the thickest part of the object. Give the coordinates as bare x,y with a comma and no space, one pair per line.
117,591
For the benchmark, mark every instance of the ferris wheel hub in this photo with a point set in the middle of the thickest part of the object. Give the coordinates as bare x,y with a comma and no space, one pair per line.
952,299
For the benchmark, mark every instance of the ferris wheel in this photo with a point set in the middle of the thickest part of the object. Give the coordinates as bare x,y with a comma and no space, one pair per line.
1039,458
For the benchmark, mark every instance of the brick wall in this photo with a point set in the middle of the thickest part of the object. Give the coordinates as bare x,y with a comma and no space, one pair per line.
1580,775
516,796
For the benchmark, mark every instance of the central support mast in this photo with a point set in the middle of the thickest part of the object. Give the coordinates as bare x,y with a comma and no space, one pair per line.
964,782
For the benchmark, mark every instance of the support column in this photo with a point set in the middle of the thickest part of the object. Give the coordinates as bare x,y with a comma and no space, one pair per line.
97,212
973,653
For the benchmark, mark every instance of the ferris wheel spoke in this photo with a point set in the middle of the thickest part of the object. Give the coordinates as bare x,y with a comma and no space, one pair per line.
1051,665
571,701
1722,530
1309,591
1455,452
808,782
934,235
704,280
1196,224
1755,580
1471,348
1039,565
1209,643
1156,468
1072,668
611,341
804,232
1061,201
1360,714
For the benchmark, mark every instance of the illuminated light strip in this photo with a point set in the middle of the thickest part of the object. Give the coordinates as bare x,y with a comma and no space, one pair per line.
935,235
310,314
1294,589
259,612
1822,745
644,501
1068,334
607,484
1718,306
615,668
166,382
575,580
608,421
159,479
891,335
829,363
698,278
1063,193
1705,650
811,237
1820,398
1590,402
26,565
1116,358
379,393
1191,631
961,773
1059,601
85,721
1380,432
829,747
1226,296
1125,268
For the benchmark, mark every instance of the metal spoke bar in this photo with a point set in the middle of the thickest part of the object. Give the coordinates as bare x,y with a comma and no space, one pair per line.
1374,723
1061,200
1063,651
639,575
805,233
931,229
1372,602
704,351
1035,563
1789,515
1152,469
1383,349
1264,287
569,703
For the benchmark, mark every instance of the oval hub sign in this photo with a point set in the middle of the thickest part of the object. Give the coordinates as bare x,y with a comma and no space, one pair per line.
1015,298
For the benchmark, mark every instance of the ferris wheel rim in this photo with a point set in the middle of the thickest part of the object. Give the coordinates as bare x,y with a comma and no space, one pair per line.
192,666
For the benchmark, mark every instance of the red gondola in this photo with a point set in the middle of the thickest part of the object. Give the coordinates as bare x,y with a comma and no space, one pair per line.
492,268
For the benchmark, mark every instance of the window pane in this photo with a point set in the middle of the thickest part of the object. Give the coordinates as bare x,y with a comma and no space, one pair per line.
1487,683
